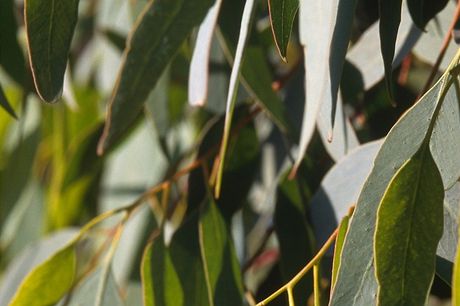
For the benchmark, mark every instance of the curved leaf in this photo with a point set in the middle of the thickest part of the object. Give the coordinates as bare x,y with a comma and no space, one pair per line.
356,284
48,282
50,26
282,15
422,11
199,66
5,104
408,229
146,56
325,28
390,18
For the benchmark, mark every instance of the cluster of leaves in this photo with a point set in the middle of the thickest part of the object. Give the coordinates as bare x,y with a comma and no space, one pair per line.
238,195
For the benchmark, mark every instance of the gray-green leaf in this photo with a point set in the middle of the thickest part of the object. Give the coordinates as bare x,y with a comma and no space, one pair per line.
50,26
146,56
282,14
409,227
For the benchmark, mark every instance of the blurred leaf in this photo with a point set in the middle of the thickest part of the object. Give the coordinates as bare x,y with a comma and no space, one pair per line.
50,26
422,11
295,235
282,15
343,228
11,55
410,211
444,270
427,48
222,270
340,188
447,247
5,104
160,281
199,66
240,169
325,28
146,56
34,255
255,72
390,18
186,257
98,289
403,141
48,282
246,22
158,103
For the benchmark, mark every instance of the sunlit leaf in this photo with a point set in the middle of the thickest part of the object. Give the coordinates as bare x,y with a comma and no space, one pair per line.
343,227
403,141
147,55
50,27
325,28
199,67
5,104
282,14
48,282
408,228
246,21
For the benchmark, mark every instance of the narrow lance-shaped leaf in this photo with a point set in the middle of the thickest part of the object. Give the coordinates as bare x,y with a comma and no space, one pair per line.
356,283
50,26
390,18
199,66
456,280
325,28
146,56
422,11
233,87
48,282
282,15
5,104
222,271
343,227
409,227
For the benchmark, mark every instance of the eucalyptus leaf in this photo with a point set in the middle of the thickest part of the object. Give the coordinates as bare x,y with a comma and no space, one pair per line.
282,15
50,26
146,56
342,231
49,281
199,66
5,104
356,284
390,18
222,270
408,228
422,11
325,28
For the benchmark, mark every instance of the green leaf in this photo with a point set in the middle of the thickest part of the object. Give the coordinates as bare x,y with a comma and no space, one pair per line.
146,56
5,104
356,284
390,18
222,271
325,28
186,257
48,282
456,280
282,15
343,228
199,66
50,26
408,229
422,11
160,282
11,55
295,235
